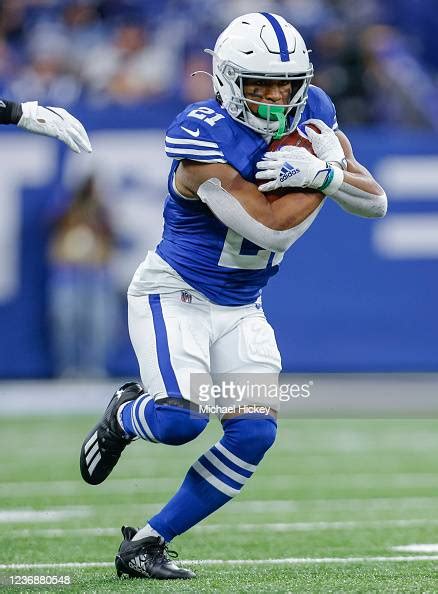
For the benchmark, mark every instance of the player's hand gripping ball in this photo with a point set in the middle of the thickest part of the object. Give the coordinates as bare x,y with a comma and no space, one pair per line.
294,139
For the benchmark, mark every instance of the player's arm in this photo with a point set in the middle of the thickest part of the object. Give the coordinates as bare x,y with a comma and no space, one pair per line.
285,213
356,174
242,207
48,121
353,188
359,193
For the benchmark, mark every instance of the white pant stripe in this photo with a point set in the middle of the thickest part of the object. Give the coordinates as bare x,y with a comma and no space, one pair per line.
142,417
234,458
91,453
218,484
94,463
223,468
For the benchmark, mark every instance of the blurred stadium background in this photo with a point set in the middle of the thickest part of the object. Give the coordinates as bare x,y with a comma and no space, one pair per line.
353,297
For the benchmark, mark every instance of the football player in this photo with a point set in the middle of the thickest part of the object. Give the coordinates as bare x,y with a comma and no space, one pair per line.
194,303
49,121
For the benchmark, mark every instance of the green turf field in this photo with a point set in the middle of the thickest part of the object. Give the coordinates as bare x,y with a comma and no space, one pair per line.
322,513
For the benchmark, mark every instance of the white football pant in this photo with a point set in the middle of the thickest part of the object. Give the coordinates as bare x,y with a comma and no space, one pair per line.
178,334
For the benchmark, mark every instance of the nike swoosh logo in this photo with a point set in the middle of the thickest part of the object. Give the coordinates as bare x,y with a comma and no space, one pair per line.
194,133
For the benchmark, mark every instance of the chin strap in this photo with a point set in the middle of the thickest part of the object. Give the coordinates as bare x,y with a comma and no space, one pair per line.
274,112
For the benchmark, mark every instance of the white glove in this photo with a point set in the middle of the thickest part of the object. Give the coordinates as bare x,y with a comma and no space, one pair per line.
325,143
56,122
293,167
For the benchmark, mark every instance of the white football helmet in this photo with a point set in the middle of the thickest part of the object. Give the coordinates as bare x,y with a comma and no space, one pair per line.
261,45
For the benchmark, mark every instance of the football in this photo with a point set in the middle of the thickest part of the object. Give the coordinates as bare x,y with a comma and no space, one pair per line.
293,139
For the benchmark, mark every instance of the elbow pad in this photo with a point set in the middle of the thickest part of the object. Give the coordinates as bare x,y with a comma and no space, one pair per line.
229,210
359,202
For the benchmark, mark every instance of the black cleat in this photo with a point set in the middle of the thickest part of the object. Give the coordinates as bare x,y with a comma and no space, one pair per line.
104,444
148,558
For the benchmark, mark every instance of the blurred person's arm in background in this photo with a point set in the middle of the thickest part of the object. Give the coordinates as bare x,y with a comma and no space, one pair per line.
48,121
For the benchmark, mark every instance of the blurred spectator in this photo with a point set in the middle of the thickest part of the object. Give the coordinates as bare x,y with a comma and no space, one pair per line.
403,90
339,71
196,85
46,78
81,291
128,67
102,52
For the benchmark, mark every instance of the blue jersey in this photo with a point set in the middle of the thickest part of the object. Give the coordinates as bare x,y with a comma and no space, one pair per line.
227,268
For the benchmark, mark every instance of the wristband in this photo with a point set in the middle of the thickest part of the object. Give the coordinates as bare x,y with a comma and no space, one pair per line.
328,179
333,181
10,112
342,164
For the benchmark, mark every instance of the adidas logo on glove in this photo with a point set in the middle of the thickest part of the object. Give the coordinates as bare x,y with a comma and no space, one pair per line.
287,171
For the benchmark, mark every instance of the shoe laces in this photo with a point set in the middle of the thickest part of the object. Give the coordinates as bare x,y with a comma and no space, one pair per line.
161,552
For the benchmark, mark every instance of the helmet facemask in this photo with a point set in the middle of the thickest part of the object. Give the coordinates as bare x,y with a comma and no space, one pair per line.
283,118
272,119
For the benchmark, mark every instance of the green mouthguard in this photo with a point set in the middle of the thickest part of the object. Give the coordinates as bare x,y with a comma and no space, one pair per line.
276,113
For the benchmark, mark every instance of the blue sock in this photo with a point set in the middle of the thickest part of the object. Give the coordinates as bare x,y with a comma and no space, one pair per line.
161,423
217,476
130,418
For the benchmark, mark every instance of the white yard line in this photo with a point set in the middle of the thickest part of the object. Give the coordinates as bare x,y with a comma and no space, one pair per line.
65,488
270,527
65,532
416,548
286,561
315,526
284,505
402,504
353,504
12,516
399,505
355,480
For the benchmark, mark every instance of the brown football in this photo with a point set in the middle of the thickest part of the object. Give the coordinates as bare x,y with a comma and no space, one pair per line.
293,139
